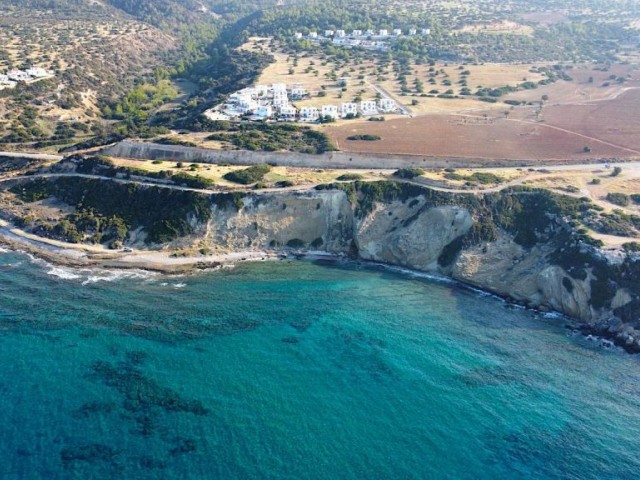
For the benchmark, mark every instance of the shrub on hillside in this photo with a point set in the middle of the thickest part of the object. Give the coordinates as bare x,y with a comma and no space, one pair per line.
253,174
408,173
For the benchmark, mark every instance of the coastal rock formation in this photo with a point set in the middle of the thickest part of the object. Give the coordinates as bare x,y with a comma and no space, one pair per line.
312,220
548,267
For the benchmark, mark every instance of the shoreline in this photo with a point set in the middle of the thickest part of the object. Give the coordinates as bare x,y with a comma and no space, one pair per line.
87,256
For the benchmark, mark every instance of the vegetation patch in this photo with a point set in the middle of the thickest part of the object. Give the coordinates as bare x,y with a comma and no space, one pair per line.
620,199
366,137
408,173
270,137
252,174
163,213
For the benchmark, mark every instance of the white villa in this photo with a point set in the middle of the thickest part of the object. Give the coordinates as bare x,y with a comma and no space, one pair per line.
330,111
368,107
263,102
348,109
37,72
288,112
386,105
264,111
298,93
313,34
383,32
340,33
309,114
18,75
397,32
356,33
297,35
412,31
426,31
328,33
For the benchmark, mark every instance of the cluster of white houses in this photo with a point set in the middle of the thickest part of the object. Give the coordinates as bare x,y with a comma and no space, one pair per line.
264,102
369,39
12,77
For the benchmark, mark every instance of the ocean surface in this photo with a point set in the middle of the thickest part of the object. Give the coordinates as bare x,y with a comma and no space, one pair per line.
294,370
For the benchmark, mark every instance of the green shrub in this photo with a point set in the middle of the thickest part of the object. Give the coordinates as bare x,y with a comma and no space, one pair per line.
295,243
621,199
191,181
367,137
349,177
408,173
254,173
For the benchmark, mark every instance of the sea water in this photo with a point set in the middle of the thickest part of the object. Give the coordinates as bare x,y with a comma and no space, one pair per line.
293,370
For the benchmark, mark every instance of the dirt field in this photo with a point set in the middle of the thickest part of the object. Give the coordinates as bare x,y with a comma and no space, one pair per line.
609,128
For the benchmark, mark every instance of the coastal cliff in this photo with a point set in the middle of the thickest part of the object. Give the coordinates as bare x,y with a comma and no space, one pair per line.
522,245
527,245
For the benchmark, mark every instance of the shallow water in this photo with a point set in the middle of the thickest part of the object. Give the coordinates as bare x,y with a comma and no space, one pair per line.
299,371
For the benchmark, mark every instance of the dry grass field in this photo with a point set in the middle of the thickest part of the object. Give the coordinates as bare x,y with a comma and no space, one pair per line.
299,176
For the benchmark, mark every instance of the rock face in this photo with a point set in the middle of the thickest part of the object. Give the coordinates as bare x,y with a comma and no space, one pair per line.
408,234
413,232
508,269
310,220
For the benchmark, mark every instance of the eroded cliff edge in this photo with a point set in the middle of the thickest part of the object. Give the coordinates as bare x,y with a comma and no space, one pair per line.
521,244
524,244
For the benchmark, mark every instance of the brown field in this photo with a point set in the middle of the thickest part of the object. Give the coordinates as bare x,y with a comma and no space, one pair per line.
610,128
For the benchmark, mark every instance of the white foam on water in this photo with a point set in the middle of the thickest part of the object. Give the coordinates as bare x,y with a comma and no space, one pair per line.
103,275
179,285
64,273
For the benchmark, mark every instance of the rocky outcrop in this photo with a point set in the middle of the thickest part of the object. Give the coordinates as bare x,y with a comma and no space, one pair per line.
311,220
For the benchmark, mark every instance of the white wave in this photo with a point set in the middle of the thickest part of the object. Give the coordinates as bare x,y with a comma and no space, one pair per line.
64,273
95,276
4,250
179,285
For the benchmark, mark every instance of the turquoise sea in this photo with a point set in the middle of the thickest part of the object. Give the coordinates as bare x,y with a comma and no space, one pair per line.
294,370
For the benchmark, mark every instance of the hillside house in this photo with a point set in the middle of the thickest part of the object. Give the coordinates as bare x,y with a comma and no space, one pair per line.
368,107
426,31
328,33
386,105
356,33
264,111
313,35
397,32
297,36
298,93
412,31
287,112
18,75
348,109
383,32
37,72
330,111
309,114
